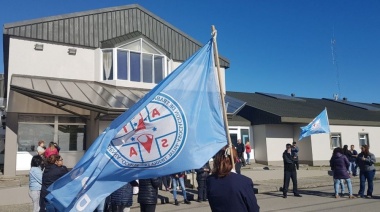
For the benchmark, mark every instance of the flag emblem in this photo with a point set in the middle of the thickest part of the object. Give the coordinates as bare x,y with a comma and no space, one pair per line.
153,137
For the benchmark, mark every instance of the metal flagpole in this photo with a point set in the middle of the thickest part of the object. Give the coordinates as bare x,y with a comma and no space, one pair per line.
222,94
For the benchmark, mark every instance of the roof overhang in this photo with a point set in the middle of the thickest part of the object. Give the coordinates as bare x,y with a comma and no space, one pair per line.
295,120
93,96
90,95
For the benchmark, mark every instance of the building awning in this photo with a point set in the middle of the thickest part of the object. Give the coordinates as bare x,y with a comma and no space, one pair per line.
94,96
90,95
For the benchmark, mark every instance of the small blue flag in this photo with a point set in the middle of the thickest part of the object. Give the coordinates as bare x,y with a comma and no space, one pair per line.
177,126
319,125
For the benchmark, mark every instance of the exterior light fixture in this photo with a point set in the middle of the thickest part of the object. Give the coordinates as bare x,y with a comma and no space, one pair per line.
72,51
39,47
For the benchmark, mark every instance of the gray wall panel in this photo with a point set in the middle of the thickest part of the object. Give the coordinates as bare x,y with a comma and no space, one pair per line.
91,26
55,31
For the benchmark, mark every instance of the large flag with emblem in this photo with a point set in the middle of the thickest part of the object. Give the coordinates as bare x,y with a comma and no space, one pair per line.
177,126
320,124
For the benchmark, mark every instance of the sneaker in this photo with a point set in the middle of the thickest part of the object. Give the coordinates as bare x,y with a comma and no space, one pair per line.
352,197
369,196
337,196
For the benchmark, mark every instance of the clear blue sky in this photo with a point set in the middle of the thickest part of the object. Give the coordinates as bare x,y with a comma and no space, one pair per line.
274,46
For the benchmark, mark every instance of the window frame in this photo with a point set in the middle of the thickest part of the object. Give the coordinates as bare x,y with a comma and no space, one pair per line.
165,62
55,124
367,139
333,135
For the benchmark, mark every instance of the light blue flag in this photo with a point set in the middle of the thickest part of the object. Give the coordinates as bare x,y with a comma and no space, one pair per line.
320,124
177,126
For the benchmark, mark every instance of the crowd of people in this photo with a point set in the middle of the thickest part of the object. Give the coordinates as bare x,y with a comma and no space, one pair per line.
222,186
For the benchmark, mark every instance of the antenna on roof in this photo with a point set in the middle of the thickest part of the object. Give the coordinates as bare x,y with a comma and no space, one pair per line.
335,63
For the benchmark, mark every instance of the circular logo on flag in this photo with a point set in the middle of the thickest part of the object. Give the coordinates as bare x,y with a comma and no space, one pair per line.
153,137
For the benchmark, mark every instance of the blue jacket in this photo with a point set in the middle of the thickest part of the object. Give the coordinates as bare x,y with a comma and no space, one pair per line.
51,173
233,192
35,179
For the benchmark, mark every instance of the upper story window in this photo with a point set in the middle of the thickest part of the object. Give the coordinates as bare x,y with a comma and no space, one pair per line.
136,61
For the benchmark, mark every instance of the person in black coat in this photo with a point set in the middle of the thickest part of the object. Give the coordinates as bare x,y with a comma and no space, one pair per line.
123,197
289,171
202,175
240,148
54,169
228,191
148,192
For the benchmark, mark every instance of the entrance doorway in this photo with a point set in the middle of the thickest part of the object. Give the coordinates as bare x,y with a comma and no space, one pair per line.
244,134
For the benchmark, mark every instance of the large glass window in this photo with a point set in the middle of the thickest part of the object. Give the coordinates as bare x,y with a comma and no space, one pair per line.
336,140
68,132
30,133
158,68
147,68
363,139
107,65
122,64
135,67
136,61
71,137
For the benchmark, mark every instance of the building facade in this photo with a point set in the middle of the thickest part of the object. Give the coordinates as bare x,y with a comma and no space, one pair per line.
68,76
275,120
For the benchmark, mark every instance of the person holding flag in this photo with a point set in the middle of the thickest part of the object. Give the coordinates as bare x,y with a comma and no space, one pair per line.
157,136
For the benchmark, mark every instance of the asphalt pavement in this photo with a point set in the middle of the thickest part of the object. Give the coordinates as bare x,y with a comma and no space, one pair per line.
314,183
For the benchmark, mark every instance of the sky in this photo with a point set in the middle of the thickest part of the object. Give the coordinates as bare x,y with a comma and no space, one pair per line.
274,46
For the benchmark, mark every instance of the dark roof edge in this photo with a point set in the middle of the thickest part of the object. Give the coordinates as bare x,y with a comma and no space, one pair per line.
331,121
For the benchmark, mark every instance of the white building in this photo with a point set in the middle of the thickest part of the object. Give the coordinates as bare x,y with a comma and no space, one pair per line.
68,76
276,119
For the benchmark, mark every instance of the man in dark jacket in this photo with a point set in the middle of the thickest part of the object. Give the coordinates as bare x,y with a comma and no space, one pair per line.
202,175
289,172
240,150
148,192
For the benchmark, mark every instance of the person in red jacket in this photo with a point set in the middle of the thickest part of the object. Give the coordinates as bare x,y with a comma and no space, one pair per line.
248,151
51,150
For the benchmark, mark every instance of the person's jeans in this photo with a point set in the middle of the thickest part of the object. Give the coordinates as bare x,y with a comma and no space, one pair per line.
366,175
287,176
352,168
182,183
248,156
35,196
338,183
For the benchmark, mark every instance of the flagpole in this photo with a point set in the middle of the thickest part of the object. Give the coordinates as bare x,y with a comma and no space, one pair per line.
222,94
